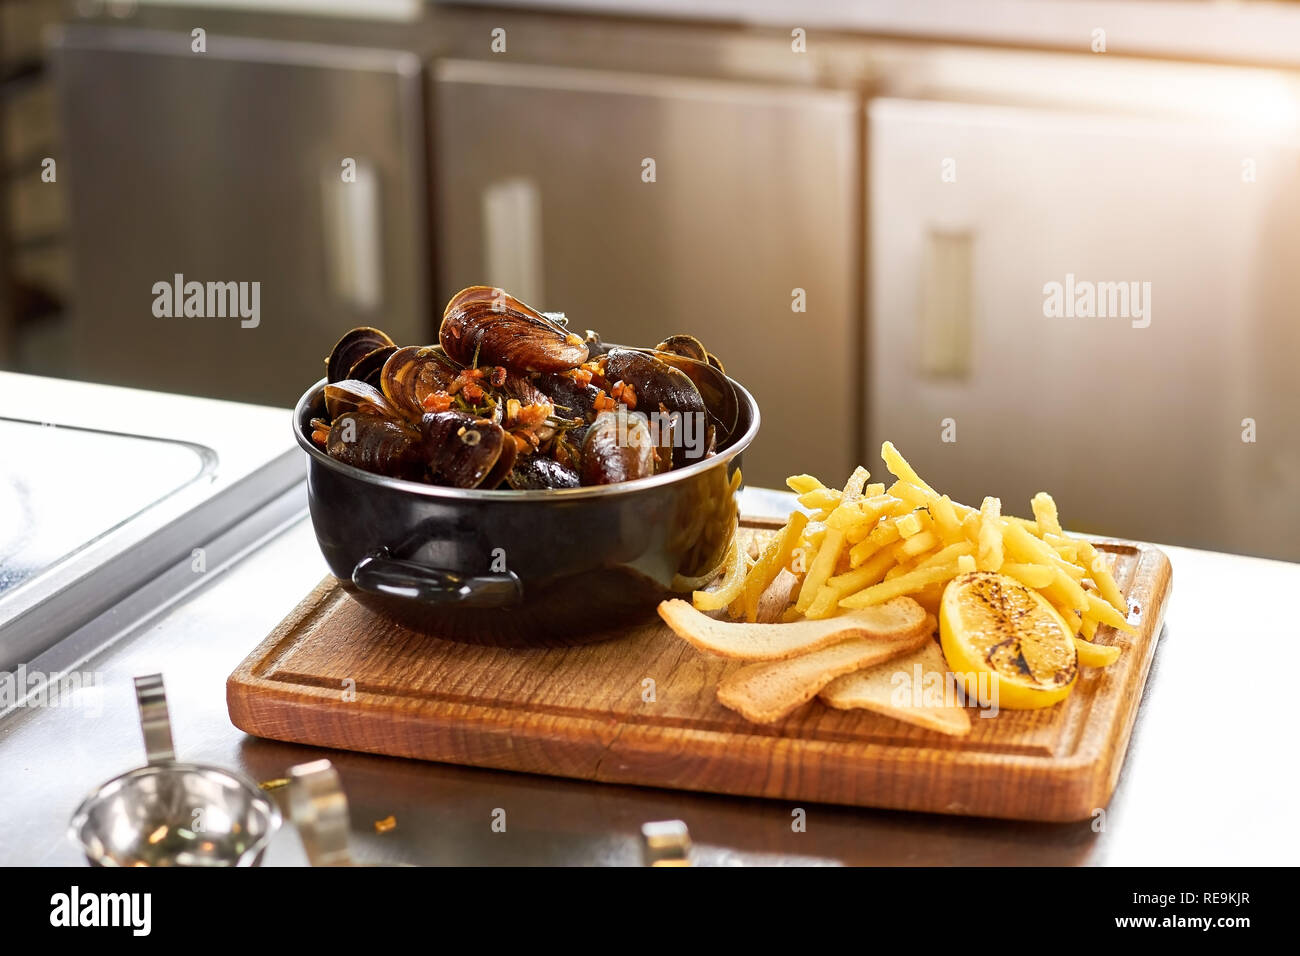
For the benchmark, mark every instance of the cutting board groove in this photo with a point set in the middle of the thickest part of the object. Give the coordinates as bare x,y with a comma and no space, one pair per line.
336,675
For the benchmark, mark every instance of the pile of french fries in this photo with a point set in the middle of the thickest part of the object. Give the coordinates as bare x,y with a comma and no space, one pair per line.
868,543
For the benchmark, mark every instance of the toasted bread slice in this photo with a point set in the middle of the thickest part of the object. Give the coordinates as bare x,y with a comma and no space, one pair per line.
767,691
899,619
877,689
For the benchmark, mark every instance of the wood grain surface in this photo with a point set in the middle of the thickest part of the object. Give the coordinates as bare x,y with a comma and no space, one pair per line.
640,708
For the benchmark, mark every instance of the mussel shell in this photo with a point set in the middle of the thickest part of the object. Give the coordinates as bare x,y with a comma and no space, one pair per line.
464,450
369,366
526,390
504,464
385,446
351,395
660,388
618,447
687,346
487,325
355,345
571,399
413,373
534,472
714,387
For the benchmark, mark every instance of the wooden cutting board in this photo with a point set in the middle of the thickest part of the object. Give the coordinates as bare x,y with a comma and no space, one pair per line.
641,709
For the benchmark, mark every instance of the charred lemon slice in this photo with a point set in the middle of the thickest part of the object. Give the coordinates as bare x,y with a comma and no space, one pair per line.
991,623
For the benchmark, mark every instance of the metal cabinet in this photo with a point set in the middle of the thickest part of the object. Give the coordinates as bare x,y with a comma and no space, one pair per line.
1135,423
543,186
227,166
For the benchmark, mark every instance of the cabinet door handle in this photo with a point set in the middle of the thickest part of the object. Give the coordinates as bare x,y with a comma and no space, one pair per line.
944,324
512,238
350,214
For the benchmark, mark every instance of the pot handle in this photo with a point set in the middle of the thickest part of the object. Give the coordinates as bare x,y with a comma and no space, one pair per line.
378,573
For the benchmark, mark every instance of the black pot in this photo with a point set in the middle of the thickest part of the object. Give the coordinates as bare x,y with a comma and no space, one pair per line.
520,568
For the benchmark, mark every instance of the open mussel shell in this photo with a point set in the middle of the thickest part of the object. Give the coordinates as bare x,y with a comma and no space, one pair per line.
355,345
618,447
484,325
713,385
663,387
687,346
369,366
351,395
465,451
413,373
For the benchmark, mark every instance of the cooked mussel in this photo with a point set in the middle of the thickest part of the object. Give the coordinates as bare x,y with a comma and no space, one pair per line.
571,398
355,345
413,373
533,472
687,346
664,391
618,447
466,451
483,325
719,397
369,366
375,443
351,395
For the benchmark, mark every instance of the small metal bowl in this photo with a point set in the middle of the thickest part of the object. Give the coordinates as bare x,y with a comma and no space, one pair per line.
169,813
175,814
521,568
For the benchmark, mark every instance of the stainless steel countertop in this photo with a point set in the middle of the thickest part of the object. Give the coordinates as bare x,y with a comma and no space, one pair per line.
1209,778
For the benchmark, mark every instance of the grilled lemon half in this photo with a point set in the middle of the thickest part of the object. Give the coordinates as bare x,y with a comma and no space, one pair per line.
990,623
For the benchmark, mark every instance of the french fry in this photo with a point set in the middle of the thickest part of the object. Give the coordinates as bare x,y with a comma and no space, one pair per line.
1069,592
1072,621
1065,547
1045,515
1034,576
1027,549
881,536
1089,628
820,569
916,545
774,557
913,495
946,521
1097,607
859,533
825,604
857,481
1101,576
989,554
906,583
873,572
873,489
853,514
897,570
1095,655
966,563
948,555
823,499
910,524
802,484
900,469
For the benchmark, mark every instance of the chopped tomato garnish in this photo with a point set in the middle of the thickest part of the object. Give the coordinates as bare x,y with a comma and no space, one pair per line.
436,402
